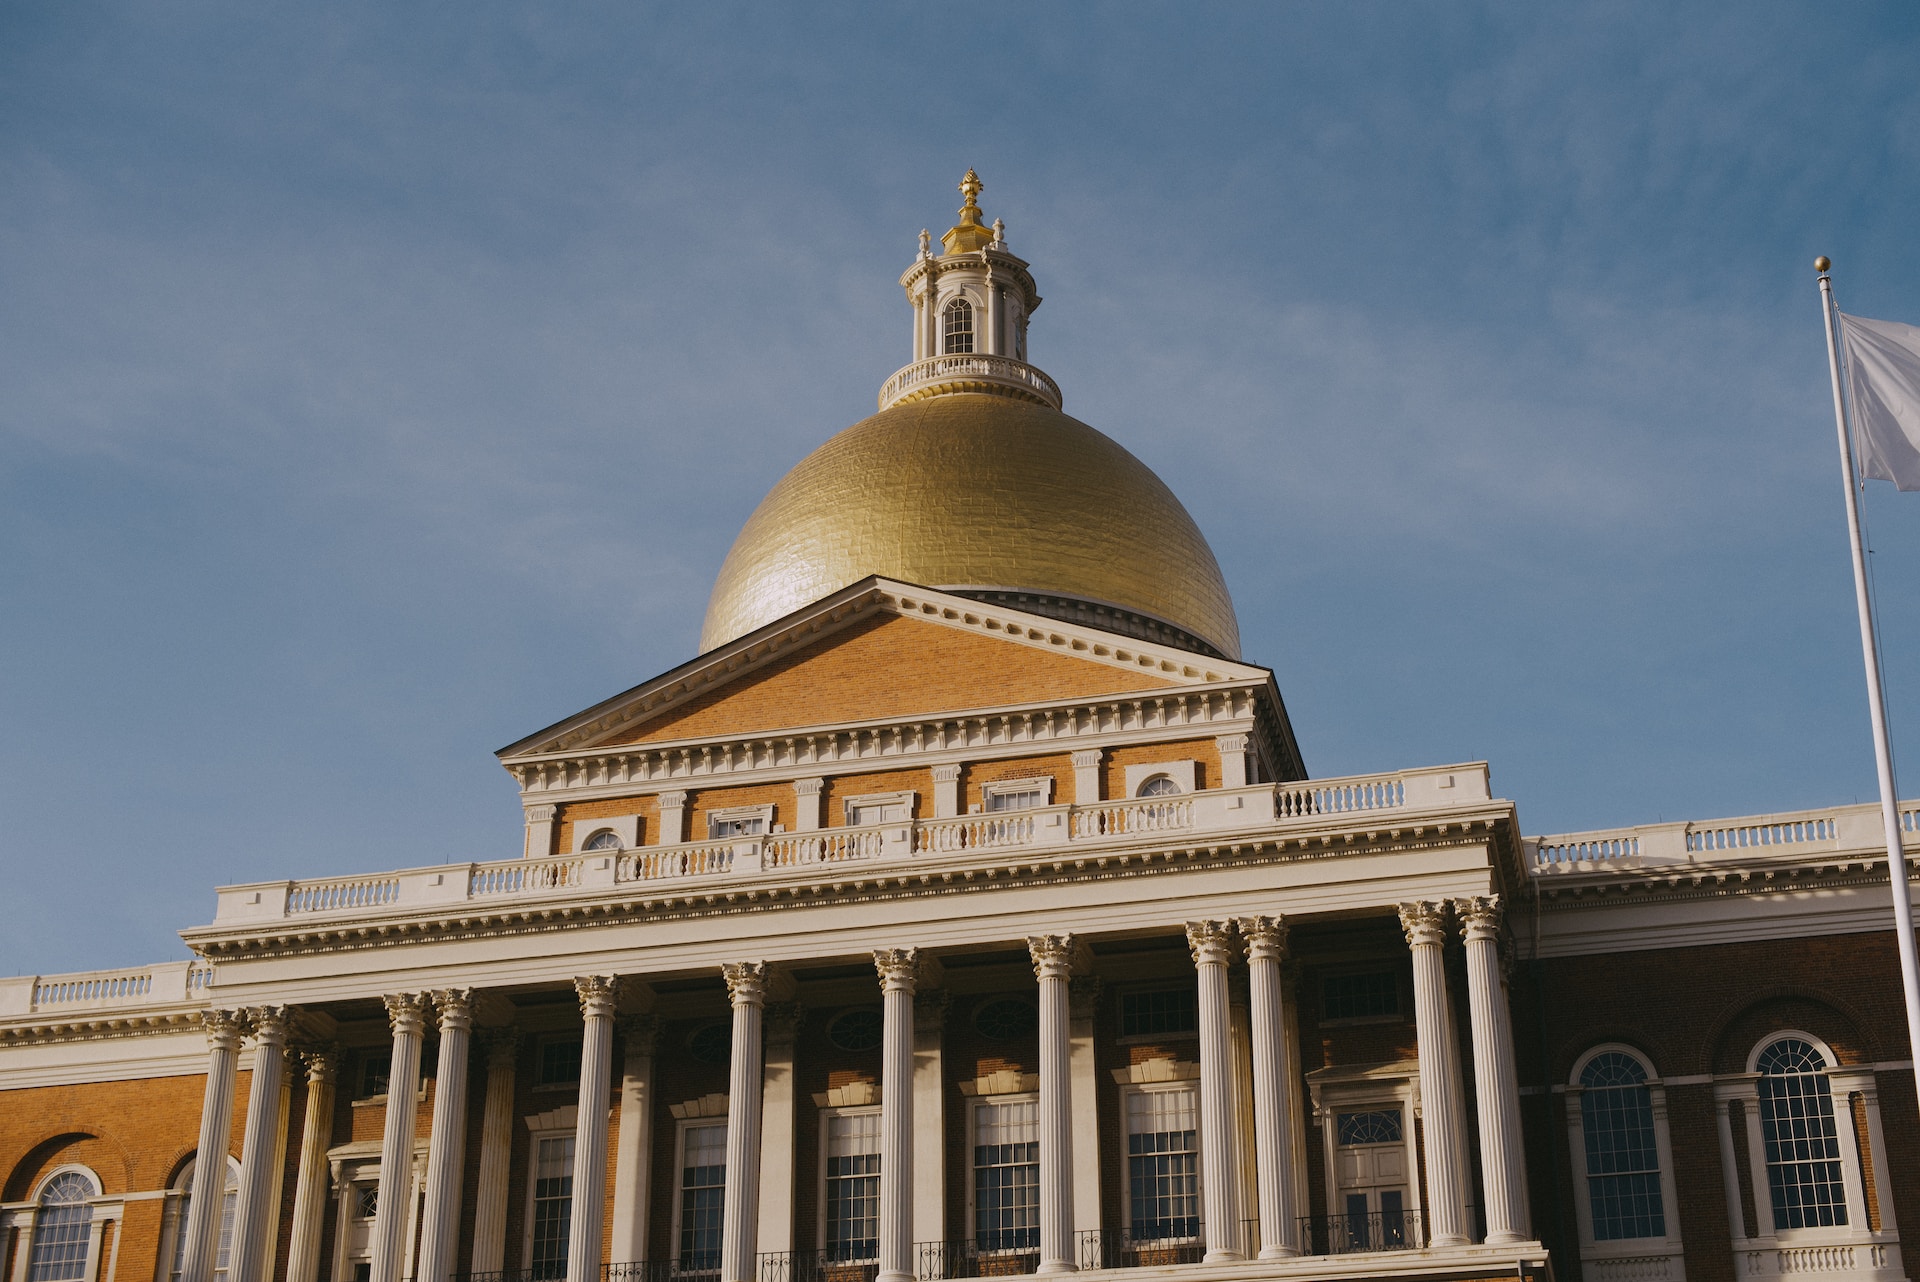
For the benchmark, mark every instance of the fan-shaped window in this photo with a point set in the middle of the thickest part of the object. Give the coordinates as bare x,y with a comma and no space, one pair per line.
1623,1159
605,839
231,1196
956,327
61,1229
712,1044
1006,1019
1158,786
1802,1141
857,1030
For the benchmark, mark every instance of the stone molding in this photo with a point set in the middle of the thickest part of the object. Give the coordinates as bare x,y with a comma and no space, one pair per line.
598,995
1425,922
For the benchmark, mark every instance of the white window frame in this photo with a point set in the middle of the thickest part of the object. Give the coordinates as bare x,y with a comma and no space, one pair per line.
820,1228
1006,787
533,1167
974,1105
1394,1085
173,1221
679,1174
1641,1250
734,813
908,798
103,1210
625,827
1189,1087
976,322
1185,775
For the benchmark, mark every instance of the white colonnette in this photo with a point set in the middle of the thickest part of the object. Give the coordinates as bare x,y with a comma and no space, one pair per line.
1440,1088
224,1029
1273,1089
740,1214
898,969
259,1146
1502,1165
1212,945
587,1215
447,1145
407,1012
1053,967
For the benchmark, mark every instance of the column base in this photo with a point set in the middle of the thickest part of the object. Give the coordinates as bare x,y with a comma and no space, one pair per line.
1450,1239
1279,1252
1223,1256
893,1275
1506,1237
1055,1266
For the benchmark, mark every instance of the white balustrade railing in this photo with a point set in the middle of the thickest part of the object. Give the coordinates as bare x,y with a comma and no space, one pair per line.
1575,848
1128,818
338,894
1798,834
660,863
520,876
1340,796
975,832
1735,835
83,992
1001,371
825,846
56,990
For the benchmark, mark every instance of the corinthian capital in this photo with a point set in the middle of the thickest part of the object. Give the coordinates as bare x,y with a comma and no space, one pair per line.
1266,937
1211,942
453,1007
407,1012
746,982
322,1064
269,1024
1425,922
597,995
1052,956
224,1028
1480,917
899,968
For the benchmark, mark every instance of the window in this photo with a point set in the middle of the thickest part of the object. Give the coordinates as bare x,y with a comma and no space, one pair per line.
712,1044
1006,1175
1802,1142
1017,794
1373,994
956,327
605,839
63,1227
552,1204
703,1190
1623,1160
1006,1019
232,1194
559,1063
1158,786
857,1030
1377,1126
882,808
746,826
1168,1011
1163,1165
373,1073
853,1186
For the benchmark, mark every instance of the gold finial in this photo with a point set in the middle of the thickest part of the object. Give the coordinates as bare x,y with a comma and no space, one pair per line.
968,234
1822,263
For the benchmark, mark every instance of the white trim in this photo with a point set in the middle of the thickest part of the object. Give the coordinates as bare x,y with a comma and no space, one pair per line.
1186,1086
974,1104
1651,1257
906,797
681,1126
534,1141
1357,1089
820,1180
1185,774
625,827
1013,787
735,814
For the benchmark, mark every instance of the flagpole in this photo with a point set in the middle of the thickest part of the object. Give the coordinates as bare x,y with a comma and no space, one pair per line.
1876,698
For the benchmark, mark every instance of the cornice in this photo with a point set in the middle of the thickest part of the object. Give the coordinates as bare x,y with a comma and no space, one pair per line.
1717,881
104,1025
916,878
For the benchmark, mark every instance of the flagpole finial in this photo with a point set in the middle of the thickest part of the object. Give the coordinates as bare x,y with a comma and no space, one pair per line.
1822,264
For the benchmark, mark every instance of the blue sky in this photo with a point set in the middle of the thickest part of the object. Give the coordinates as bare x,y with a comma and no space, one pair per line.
385,382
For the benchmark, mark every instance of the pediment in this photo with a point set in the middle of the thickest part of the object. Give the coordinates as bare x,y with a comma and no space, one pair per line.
880,650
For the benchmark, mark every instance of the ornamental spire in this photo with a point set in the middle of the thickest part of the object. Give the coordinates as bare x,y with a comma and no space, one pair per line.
969,233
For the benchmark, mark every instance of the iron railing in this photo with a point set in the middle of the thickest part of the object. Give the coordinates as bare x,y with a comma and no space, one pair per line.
1181,1242
969,1259
844,1264
1348,1234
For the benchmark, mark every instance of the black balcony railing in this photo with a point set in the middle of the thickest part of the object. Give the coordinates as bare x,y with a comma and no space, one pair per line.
1017,1256
841,1265
1347,1234
1179,1242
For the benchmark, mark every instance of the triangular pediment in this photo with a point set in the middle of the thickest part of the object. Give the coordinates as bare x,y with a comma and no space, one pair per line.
881,650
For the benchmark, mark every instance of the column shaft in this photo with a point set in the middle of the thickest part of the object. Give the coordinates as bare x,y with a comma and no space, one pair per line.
898,974
587,1222
407,1012
259,1145
1266,939
1440,1090
740,1212
496,1151
1212,945
209,1191
1053,967
633,1147
447,1140
311,1185
1502,1158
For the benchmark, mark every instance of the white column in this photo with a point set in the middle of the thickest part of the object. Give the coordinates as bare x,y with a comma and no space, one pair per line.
673,818
740,1222
407,1012
540,826
1425,924
258,1147
633,1147
1233,760
1212,946
897,969
589,1207
1503,1163
447,1142
1086,777
311,1185
224,1029
1273,1087
992,346
780,1026
929,1116
496,1152
1083,1001
946,791
1053,967
807,796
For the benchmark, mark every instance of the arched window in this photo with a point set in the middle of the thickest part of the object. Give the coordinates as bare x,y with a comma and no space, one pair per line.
1623,1158
605,839
1802,1142
956,327
61,1229
184,1185
1158,786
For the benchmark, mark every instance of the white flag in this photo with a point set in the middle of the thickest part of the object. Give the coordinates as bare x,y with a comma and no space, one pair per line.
1883,375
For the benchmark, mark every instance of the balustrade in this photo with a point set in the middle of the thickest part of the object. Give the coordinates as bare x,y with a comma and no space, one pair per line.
997,371
519,876
826,846
339,893
705,859
1128,818
975,832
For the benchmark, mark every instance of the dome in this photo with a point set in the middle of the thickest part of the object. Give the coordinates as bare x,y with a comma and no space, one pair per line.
987,495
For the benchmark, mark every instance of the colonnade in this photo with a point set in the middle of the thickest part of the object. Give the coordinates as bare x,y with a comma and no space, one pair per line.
1214,944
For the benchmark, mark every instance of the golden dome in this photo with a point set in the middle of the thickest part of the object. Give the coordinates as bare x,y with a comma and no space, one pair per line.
983,494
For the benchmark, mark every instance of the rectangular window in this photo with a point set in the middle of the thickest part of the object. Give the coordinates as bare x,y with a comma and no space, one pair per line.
1019,794
703,1190
1623,1164
1167,1011
876,812
552,1204
1373,994
373,1073
748,827
1006,1176
853,1186
227,1206
559,1063
60,1235
1163,1165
